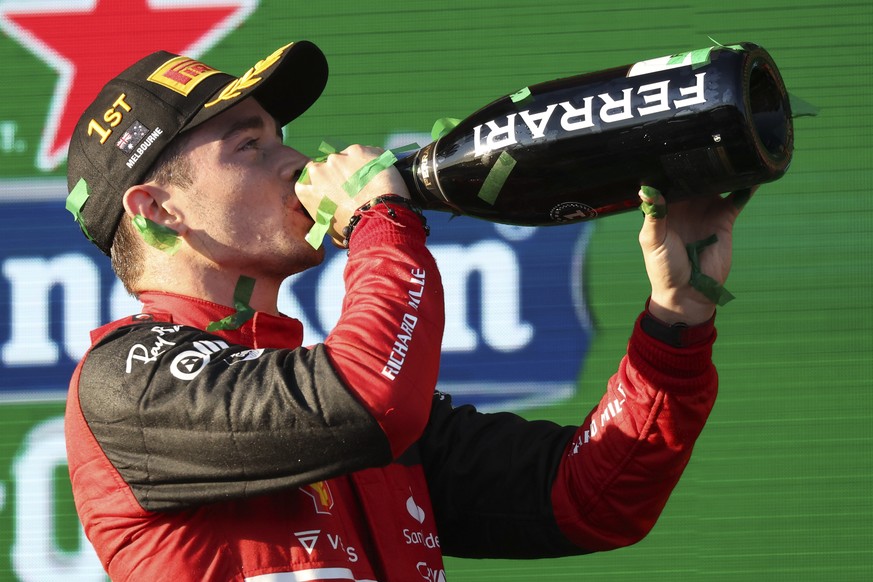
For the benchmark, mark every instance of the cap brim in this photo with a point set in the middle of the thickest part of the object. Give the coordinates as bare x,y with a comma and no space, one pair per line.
286,83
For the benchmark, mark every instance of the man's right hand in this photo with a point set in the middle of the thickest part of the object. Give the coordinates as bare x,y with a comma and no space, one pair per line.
327,178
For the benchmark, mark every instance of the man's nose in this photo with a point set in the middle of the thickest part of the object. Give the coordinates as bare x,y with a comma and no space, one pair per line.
292,163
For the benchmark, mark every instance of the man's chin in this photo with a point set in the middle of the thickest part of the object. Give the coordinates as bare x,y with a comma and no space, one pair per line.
307,260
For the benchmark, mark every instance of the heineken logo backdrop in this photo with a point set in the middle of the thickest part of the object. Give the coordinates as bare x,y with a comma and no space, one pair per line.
537,319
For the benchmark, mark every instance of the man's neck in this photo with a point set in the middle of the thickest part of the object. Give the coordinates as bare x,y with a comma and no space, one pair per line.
220,286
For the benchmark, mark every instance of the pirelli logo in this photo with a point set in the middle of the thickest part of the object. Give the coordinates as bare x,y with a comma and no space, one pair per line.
181,74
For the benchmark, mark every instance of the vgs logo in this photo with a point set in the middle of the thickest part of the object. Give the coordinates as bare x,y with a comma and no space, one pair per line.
188,364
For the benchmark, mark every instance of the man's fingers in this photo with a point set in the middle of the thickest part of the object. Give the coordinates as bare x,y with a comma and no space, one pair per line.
654,229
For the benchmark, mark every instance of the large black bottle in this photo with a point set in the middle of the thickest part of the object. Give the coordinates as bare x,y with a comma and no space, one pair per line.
579,148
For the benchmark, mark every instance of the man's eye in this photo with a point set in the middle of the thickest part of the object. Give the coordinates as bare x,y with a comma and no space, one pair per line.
250,144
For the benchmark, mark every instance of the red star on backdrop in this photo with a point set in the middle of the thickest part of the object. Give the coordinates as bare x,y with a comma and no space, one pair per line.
90,41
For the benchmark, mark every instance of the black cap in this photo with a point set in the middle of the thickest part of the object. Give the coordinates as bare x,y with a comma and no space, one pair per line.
139,112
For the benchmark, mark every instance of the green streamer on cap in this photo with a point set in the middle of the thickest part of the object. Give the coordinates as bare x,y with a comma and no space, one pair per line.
521,96
158,236
359,180
442,126
496,178
75,201
710,288
242,295
322,218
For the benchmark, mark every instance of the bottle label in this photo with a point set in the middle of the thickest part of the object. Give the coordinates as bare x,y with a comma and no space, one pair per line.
583,114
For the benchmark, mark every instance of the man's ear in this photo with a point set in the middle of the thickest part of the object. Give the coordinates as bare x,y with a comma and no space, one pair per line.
153,202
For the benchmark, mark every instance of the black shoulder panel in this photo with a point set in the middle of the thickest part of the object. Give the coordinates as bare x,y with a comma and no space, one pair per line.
490,477
188,419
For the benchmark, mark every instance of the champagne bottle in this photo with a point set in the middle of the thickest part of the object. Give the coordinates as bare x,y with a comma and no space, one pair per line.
698,123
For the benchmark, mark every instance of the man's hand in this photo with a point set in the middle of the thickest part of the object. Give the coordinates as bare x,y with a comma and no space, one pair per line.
327,179
663,237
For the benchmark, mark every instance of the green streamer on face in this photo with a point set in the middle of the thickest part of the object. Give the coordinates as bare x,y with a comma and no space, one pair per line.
443,126
708,286
496,178
323,217
242,295
155,235
75,201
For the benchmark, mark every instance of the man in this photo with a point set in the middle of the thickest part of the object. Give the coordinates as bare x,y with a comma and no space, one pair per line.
205,444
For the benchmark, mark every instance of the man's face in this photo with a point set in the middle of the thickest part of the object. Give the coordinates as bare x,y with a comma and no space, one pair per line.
241,210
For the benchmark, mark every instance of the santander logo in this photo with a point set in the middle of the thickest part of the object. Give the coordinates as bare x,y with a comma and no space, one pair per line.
414,510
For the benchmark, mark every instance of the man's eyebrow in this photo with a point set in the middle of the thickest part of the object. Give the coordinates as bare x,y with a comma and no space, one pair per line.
253,122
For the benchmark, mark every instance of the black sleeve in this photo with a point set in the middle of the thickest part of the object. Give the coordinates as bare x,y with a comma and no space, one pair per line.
490,477
187,419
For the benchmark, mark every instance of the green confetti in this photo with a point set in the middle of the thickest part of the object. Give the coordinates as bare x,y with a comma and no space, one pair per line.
359,180
655,206
733,47
304,175
700,57
521,96
696,58
710,288
158,236
442,126
242,295
496,178
323,217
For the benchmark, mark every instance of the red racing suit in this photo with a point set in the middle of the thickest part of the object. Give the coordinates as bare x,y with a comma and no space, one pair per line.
239,455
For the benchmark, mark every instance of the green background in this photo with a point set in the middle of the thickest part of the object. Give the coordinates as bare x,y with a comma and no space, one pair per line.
779,487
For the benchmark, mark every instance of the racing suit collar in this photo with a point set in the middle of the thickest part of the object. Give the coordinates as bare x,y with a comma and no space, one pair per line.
261,331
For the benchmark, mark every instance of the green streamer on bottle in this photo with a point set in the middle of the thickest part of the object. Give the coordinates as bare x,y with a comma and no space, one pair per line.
522,96
442,126
496,178
700,57
801,107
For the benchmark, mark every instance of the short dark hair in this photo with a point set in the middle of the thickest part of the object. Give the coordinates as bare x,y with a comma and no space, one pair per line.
173,167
